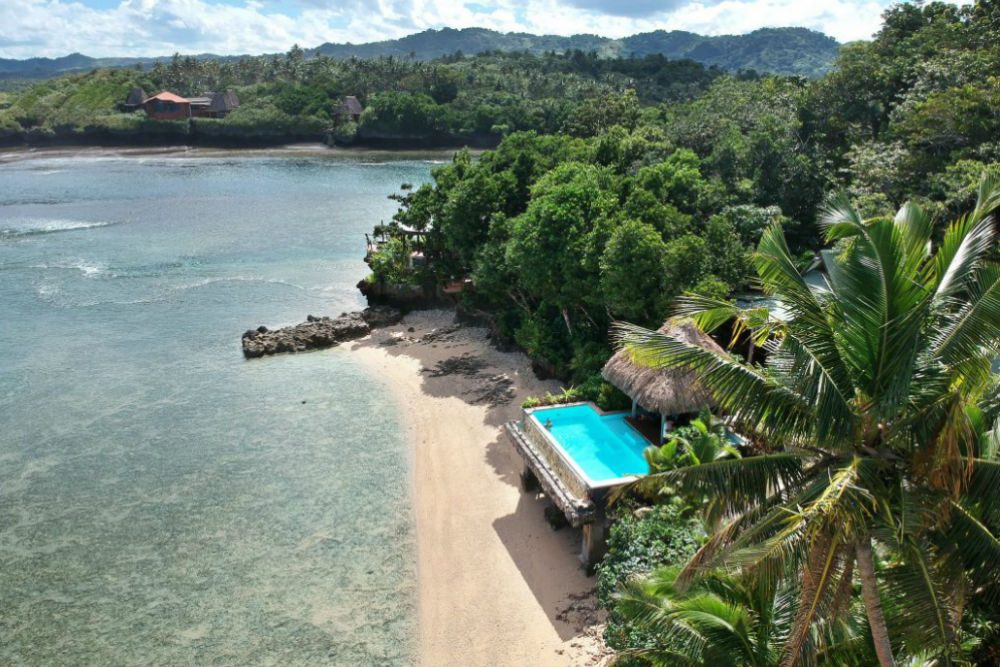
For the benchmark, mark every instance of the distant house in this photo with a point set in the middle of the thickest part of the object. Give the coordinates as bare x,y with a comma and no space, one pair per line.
136,98
168,106
351,108
214,105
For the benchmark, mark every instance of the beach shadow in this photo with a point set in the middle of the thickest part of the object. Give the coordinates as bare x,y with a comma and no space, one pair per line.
506,464
548,562
458,361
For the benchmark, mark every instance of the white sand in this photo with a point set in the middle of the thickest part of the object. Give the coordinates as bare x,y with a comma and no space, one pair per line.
497,586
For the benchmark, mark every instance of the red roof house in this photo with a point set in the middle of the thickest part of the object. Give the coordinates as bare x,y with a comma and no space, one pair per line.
167,106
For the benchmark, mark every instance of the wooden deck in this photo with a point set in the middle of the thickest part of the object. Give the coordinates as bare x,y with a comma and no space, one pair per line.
649,428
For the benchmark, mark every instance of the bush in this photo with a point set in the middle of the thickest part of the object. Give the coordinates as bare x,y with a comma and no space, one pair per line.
391,263
637,545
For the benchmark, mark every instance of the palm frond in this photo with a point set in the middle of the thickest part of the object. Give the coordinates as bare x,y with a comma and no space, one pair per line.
742,390
924,614
735,482
974,330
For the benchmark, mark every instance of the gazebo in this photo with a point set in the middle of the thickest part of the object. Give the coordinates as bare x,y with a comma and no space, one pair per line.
667,392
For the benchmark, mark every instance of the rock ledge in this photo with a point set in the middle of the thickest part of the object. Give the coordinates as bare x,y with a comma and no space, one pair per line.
317,332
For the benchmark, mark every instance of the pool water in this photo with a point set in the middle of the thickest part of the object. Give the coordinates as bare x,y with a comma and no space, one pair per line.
604,447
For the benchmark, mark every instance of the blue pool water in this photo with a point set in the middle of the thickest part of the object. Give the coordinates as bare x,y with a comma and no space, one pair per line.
605,447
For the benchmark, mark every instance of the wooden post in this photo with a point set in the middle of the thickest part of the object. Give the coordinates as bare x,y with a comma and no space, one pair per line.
529,483
595,542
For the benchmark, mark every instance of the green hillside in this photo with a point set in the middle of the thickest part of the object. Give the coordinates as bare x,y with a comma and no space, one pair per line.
774,50
795,51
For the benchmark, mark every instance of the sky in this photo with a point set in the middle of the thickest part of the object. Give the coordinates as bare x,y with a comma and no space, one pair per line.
30,28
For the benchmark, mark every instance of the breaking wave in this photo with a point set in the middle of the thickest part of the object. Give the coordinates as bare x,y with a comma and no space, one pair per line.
39,227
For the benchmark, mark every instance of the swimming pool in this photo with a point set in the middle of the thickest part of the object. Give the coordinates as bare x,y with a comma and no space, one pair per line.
601,446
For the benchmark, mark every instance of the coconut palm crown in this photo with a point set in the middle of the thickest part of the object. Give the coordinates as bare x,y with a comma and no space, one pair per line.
879,393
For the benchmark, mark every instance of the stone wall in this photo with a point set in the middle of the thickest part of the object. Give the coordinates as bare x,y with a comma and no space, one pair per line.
541,441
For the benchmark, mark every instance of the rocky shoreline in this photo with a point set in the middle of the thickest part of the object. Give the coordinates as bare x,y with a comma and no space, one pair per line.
317,333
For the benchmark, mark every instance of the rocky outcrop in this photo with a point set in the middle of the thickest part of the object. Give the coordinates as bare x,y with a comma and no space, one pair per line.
317,332
381,316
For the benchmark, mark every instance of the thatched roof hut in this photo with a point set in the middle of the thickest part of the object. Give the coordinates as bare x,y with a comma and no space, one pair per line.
223,103
135,99
665,391
352,107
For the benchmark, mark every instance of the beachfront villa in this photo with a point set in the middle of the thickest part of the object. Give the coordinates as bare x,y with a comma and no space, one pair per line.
577,454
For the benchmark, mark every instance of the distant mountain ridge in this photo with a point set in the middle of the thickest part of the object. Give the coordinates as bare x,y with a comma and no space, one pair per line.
797,51
776,50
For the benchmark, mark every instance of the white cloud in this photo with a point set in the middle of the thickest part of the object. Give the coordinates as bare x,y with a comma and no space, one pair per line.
161,27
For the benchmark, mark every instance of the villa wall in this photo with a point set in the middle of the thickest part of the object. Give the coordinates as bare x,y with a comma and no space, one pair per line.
540,441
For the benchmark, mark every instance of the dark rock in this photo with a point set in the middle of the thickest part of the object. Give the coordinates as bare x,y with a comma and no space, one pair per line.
316,333
381,316
312,318
411,329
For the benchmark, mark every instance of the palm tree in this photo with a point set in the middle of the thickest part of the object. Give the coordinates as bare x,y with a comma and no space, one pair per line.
725,621
876,387
702,441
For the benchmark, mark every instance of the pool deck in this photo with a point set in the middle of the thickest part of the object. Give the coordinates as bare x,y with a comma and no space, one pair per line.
647,428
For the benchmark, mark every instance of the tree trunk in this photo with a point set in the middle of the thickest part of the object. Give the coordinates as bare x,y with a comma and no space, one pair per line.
569,327
873,603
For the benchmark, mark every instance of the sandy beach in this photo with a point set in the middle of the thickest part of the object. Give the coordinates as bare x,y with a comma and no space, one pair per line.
497,586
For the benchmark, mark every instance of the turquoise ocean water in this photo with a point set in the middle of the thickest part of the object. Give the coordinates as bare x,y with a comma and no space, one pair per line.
162,500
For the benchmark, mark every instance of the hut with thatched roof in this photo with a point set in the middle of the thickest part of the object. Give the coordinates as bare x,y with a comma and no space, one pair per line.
667,392
351,108
135,99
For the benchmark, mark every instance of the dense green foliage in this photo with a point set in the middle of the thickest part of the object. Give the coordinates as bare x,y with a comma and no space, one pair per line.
456,100
880,390
632,204
638,544
561,235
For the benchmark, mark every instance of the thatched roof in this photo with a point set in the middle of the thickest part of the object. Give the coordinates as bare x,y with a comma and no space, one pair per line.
352,106
136,97
223,102
667,391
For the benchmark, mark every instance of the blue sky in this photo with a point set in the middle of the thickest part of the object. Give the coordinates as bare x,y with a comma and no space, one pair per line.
161,27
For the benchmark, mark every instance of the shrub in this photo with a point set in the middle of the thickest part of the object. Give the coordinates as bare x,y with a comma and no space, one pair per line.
391,263
637,545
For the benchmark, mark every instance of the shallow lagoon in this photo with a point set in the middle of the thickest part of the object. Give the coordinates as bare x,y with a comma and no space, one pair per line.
163,501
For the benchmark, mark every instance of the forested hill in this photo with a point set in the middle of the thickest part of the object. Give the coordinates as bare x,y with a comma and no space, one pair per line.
769,50
775,50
